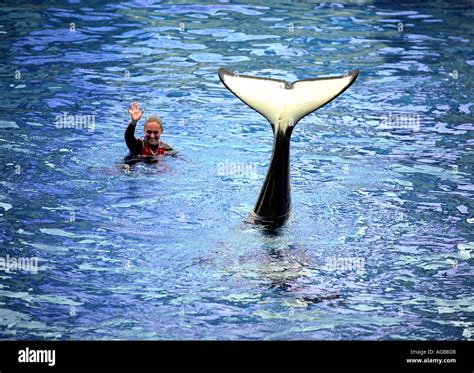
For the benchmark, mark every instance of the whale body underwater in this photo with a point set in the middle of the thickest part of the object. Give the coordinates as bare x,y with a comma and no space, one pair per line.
283,104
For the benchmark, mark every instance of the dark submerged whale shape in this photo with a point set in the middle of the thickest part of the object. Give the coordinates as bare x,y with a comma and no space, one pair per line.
283,104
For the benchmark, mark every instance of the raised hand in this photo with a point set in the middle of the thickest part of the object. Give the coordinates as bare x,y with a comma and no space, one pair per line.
134,111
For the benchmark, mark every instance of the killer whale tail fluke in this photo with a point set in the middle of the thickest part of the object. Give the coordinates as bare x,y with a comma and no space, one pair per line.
284,104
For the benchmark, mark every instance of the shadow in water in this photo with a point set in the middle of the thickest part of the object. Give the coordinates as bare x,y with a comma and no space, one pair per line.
288,270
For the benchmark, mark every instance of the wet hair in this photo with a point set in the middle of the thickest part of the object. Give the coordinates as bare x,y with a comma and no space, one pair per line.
156,119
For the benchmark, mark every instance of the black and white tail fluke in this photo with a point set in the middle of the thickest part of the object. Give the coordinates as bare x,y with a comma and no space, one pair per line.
283,104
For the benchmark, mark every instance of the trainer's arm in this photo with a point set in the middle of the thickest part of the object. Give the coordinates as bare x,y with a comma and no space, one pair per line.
133,144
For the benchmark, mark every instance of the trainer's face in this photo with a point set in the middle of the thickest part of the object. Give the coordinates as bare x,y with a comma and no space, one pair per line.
152,133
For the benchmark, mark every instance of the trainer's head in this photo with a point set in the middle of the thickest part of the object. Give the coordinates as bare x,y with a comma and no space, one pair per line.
153,129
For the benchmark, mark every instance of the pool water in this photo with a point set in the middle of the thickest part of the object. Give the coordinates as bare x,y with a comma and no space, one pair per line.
380,241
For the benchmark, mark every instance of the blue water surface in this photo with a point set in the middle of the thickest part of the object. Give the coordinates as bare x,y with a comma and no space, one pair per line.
379,245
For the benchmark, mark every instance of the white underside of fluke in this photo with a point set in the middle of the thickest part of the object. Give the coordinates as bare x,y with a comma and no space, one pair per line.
282,103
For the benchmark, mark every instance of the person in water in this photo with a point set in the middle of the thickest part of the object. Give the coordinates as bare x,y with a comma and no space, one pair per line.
149,146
